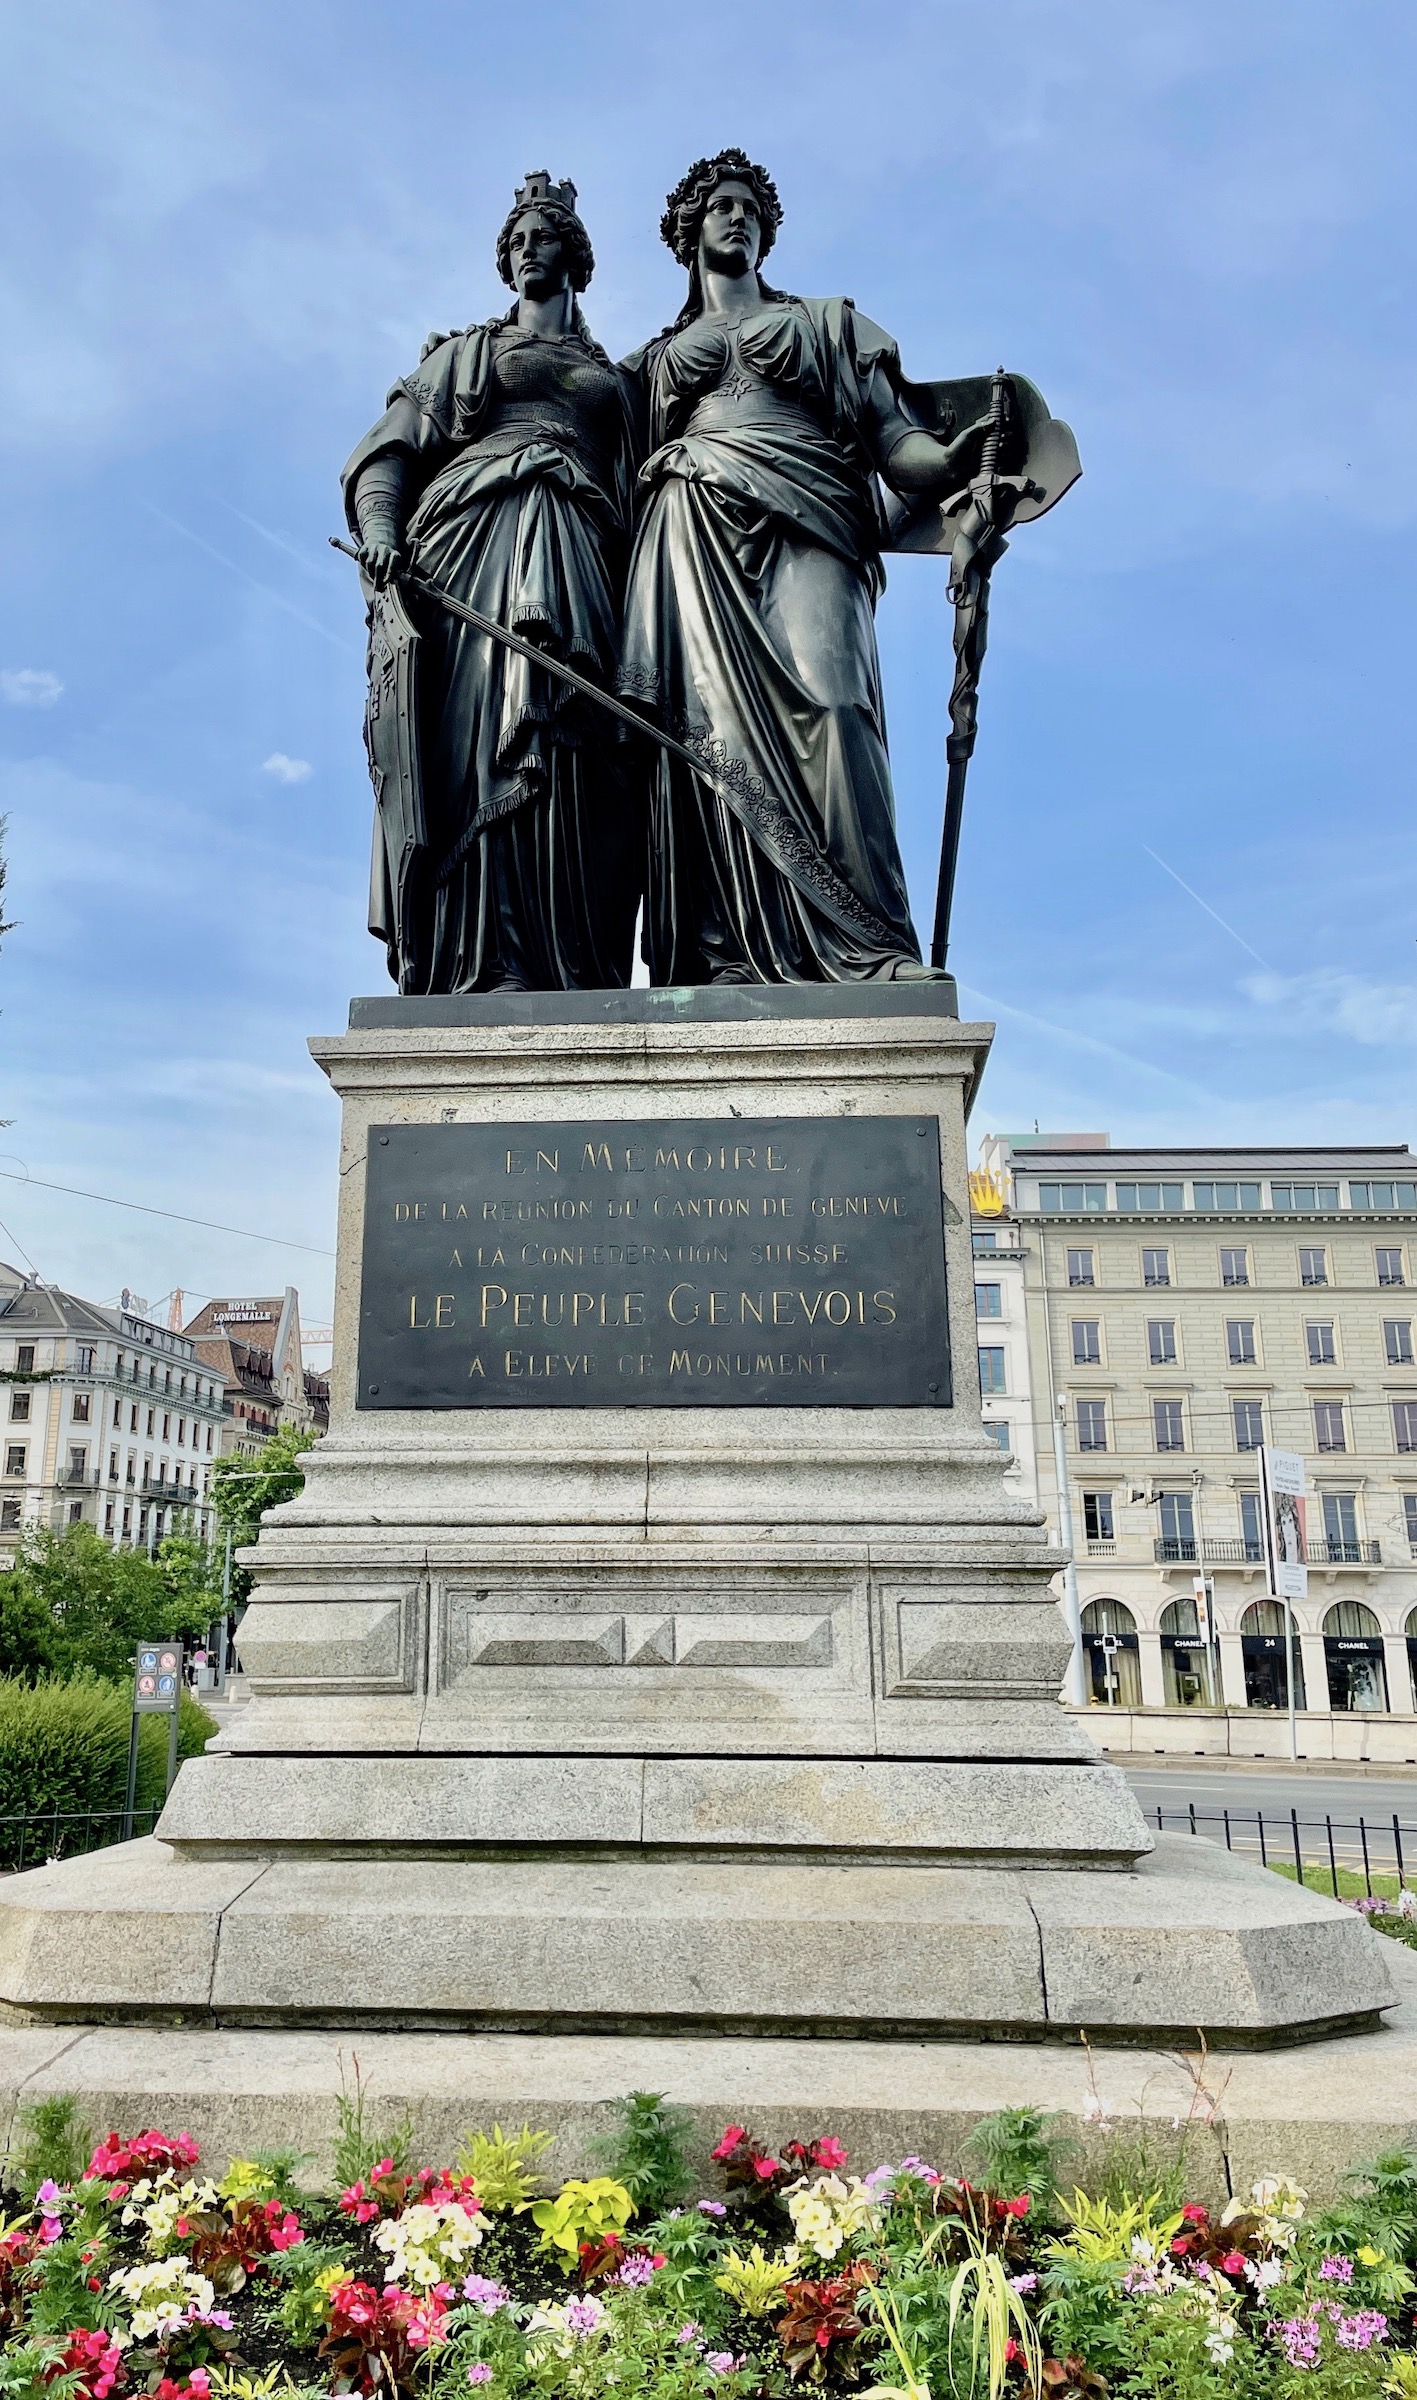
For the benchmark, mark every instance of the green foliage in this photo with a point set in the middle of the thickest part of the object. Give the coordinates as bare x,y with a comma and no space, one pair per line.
998,2320
64,1749
54,2142
304,2306
1021,2153
243,1488
503,2167
73,1604
359,2144
1106,2229
648,2151
1081,2313
269,2175
755,2283
1133,2162
582,2211
28,2372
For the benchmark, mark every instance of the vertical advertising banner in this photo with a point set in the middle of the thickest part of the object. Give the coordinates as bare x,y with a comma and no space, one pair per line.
1283,1514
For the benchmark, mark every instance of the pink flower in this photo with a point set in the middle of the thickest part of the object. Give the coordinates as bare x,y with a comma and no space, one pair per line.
479,2371
733,2135
1234,2264
1357,2332
766,2168
636,2271
712,2208
1336,2270
486,2295
584,2316
721,2362
829,2152
688,2332
1193,2213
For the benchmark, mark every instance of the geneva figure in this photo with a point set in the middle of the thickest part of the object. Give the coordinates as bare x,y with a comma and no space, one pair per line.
749,627
506,850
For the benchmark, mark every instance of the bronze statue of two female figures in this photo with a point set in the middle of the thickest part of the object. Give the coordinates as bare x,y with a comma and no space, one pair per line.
699,530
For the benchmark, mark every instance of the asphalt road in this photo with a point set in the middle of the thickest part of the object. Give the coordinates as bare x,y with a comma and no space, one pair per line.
1247,1794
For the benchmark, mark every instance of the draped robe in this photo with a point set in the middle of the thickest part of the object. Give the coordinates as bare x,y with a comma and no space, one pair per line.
750,634
519,455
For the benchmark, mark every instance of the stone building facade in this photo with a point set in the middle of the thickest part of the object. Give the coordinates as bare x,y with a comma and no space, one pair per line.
105,1419
1187,1306
256,1345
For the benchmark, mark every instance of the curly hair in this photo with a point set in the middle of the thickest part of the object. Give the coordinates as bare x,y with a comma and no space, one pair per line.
683,216
580,258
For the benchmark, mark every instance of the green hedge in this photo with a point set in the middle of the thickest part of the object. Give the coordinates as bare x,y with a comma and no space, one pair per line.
64,1748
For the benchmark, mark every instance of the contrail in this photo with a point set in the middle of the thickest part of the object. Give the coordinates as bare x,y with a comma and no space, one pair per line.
316,566
1211,912
1086,1041
254,580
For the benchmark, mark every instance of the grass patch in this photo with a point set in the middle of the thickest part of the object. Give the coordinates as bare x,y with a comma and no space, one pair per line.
1352,1883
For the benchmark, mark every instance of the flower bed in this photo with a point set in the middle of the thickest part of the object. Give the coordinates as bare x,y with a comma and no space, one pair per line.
125,2269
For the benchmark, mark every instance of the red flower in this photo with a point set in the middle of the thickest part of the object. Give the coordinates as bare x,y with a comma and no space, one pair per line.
1233,2262
150,2153
1193,2213
733,2135
766,2168
828,2153
1011,2351
1180,2246
1016,2208
96,2360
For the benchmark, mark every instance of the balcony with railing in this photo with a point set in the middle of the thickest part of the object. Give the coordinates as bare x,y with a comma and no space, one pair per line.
1174,1551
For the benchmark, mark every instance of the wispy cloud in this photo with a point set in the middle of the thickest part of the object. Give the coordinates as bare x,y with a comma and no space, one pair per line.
287,770
1379,1015
29,687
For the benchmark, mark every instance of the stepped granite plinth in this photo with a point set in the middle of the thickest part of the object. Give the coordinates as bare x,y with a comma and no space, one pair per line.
655,1645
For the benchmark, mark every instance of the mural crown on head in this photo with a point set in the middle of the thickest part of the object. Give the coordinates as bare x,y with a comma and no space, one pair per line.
539,188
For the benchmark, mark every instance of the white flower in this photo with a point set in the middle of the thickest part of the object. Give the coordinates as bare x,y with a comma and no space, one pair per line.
426,2245
156,2204
827,2211
160,2292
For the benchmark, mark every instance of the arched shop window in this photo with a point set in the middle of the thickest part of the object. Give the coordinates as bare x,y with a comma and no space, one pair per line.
1109,1637
1264,1651
1353,1655
1188,1672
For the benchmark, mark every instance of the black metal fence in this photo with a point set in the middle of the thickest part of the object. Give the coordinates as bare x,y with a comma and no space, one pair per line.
1330,1849
30,1841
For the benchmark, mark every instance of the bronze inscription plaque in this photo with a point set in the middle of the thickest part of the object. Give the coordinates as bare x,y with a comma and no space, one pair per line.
680,1263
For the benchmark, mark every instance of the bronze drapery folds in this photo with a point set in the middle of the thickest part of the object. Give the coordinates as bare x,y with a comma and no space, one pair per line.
507,845
782,452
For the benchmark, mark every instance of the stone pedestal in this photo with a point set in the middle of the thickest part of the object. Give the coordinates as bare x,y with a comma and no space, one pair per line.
659,1709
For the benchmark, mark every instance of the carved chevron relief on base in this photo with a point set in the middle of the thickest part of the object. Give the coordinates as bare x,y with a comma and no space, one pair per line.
686,1627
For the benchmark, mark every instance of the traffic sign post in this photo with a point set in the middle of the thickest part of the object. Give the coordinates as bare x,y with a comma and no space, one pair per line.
157,1687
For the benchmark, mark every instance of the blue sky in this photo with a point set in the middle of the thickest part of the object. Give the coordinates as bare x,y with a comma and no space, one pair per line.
228,227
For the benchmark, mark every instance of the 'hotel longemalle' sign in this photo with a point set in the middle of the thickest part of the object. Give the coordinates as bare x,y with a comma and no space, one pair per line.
766,1262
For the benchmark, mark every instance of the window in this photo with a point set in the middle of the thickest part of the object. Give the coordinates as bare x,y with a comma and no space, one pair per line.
1080,1268
1092,1424
1249,1424
998,1432
988,1299
1389,1263
113,1466
1306,1196
1321,1349
1382,1195
982,1241
182,1431
1404,1426
78,1462
1161,1342
1167,1425
85,1358
9,1516
1328,1425
20,1407
15,1458
1240,1341
1251,1531
1156,1268
1178,1524
1313,1266
1151,1197
76,1512
24,1358
1409,1511
83,1404
1341,1526
132,1420
1097,1520
1235,1267
167,1429
1087,1342
1226,1196
209,1437
991,1370
1071,1199
151,1414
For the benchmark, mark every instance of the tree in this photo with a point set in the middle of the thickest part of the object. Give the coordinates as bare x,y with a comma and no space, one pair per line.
244,1488
72,1603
